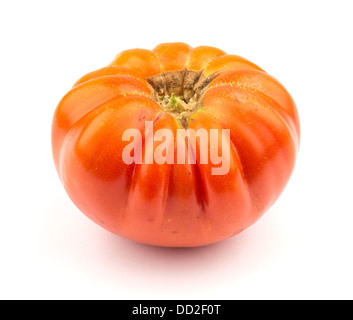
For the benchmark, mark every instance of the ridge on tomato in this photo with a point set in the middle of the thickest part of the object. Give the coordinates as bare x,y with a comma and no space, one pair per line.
184,106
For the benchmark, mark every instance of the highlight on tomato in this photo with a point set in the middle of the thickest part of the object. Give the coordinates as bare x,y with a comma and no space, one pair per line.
176,146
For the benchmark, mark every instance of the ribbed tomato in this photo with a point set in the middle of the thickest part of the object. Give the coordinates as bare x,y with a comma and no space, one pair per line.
176,90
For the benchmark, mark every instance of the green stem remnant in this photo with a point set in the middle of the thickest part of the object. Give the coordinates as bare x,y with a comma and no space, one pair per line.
178,108
175,104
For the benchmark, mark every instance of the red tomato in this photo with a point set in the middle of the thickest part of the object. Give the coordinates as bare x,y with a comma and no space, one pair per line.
154,185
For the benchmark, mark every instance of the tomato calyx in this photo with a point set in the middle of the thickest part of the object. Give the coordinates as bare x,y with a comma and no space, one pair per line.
180,93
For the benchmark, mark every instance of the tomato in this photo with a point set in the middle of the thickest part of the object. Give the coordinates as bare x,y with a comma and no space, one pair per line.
137,144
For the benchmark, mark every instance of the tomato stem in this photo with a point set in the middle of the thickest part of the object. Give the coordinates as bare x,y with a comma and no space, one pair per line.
180,93
176,104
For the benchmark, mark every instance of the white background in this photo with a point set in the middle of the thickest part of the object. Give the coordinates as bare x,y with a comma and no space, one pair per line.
301,248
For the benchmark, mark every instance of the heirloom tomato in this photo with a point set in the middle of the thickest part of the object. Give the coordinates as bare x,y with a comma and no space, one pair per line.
137,144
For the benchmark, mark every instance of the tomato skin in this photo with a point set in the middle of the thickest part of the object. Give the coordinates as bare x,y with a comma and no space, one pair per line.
175,205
